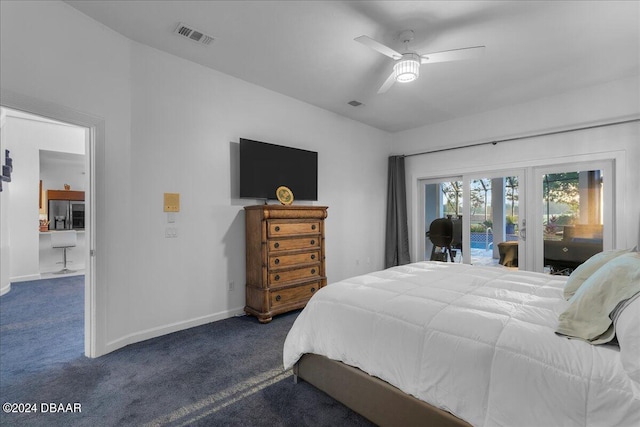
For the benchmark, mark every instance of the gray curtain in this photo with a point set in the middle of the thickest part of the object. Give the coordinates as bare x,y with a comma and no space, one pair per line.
396,251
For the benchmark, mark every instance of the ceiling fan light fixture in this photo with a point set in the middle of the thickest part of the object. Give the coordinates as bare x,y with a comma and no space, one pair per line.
407,69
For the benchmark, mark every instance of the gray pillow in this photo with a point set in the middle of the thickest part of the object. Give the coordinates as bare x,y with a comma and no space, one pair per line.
588,315
586,269
627,324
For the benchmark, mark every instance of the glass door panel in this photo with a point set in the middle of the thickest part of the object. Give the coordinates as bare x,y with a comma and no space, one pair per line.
443,200
494,220
572,219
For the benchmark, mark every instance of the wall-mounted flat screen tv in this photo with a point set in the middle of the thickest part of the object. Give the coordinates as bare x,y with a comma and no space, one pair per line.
264,167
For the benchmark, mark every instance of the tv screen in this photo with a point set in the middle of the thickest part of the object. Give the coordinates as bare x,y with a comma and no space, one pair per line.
265,167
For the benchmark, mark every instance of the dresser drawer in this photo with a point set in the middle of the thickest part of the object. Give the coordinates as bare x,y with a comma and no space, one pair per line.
311,242
290,260
293,295
278,277
280,228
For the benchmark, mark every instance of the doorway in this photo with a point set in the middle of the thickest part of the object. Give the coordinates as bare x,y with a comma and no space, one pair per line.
91,128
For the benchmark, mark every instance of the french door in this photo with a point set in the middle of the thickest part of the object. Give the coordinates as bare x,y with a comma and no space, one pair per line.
496,228
575,218
488,214
539,218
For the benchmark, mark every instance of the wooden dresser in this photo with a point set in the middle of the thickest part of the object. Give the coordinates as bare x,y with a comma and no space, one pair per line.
285,258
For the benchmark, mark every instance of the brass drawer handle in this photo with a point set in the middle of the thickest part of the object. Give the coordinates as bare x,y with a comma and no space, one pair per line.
277,277
278,297
313,271
313,227
276,245
277,261
277,228
313,290
313,256
313,242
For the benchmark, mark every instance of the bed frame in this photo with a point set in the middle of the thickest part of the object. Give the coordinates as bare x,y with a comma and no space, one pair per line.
374,399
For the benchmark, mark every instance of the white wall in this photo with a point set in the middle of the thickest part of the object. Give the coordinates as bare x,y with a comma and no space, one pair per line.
186,122
57,172
25,138
608,102
172,126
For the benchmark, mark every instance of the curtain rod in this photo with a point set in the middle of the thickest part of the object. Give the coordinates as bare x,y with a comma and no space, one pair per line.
477,144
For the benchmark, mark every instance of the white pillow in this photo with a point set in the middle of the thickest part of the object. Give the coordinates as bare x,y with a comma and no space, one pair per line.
588,315
628,333
587,268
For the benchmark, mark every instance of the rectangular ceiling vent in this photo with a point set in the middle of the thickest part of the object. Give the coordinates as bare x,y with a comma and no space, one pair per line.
193,34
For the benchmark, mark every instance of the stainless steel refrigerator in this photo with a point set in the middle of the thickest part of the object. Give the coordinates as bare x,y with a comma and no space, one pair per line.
66,215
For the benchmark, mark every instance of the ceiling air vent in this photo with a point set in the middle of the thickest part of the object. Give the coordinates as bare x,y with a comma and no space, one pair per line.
193,34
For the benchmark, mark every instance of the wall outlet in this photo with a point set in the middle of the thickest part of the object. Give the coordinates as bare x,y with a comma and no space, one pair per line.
170,232
232,286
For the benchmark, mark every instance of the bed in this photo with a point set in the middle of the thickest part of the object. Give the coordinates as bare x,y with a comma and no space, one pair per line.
435,343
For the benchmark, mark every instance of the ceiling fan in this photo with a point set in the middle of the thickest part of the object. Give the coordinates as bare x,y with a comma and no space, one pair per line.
407,64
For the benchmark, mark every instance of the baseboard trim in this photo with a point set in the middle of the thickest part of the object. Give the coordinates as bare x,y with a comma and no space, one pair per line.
25,278
6,289
168,329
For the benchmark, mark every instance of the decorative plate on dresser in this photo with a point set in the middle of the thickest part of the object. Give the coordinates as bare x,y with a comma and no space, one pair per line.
284,195
285,258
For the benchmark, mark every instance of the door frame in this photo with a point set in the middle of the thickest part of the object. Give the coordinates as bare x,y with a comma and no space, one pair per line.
94,140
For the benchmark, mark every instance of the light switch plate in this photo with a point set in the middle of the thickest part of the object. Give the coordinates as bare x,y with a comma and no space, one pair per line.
172,202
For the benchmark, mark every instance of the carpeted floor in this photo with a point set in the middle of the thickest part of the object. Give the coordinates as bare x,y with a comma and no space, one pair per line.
226,373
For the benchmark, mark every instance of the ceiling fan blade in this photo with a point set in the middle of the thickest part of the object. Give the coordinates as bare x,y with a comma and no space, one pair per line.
452,55
376,45
387,83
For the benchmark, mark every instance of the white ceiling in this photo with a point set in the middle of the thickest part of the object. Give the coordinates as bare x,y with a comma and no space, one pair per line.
60,160
305,49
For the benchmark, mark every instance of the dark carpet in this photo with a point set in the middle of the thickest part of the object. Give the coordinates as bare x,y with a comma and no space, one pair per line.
226,373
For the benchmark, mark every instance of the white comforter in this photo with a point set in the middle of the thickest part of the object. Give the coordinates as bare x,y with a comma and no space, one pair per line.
476,341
